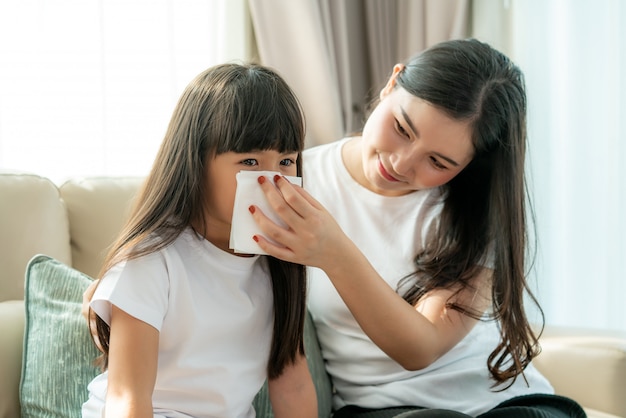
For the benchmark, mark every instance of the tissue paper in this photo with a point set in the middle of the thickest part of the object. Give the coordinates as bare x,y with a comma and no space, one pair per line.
248,193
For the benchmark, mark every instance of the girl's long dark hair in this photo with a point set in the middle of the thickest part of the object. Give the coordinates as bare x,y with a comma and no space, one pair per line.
484,218
229,107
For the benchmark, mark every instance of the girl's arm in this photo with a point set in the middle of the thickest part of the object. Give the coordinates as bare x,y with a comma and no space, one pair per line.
414,336
292,393
133,353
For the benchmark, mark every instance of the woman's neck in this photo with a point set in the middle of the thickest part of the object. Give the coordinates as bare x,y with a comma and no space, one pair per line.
352,158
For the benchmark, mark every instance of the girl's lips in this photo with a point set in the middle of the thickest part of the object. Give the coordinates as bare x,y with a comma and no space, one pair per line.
384,173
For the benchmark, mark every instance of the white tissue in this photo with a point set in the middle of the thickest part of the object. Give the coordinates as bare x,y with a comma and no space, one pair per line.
248,193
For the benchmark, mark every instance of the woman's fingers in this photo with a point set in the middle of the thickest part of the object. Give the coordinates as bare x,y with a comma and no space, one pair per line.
278,251
310,232
288,199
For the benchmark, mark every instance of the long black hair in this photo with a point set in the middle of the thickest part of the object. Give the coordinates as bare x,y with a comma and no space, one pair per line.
229,107
484,216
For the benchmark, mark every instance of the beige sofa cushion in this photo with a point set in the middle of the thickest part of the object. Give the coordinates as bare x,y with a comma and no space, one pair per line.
97,209
32,221
578,362
11,336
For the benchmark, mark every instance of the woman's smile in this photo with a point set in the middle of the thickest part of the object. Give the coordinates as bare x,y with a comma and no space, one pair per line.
384,173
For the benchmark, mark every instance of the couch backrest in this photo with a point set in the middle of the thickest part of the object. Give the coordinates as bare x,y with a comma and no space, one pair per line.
74,223
33,220
97,208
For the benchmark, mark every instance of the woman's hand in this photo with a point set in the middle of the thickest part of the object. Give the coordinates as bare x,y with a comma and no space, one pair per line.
414,336
312,236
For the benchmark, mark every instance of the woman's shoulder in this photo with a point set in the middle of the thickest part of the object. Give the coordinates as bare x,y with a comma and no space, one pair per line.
324,158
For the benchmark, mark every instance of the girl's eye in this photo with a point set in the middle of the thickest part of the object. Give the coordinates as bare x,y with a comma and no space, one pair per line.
437,164
287,162
250,162
400,129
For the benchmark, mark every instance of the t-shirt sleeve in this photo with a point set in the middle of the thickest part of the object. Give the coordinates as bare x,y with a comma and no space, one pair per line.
139,287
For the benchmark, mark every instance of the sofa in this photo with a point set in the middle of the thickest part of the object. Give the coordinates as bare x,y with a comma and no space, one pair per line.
52,242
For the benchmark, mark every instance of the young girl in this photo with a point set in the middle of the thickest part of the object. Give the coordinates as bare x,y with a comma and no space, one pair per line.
417,228
186,327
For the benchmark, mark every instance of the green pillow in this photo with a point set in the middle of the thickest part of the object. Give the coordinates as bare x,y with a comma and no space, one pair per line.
57,363
317,368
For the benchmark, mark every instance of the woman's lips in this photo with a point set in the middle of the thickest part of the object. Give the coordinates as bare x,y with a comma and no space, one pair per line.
384,173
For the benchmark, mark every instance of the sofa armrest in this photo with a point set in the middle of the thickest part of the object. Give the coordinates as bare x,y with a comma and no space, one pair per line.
588,366
11,342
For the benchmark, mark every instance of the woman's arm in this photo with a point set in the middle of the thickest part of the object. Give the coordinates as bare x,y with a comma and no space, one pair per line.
133,354
414,336
292,393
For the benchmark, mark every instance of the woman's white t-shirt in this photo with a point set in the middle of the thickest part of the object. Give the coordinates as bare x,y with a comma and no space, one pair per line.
214,314
390,231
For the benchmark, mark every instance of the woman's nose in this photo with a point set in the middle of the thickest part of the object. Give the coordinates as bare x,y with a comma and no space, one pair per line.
403,162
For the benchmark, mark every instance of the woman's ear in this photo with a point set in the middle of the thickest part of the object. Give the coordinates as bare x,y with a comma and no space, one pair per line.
391,83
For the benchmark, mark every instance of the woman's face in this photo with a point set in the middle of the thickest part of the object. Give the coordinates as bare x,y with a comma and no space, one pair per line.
409,145
222,185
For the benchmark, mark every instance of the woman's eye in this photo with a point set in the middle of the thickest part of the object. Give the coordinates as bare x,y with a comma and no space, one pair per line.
400,129
437,164
250,162
287,162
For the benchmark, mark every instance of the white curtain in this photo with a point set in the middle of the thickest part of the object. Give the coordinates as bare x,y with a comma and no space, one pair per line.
573,53
87,87
335,53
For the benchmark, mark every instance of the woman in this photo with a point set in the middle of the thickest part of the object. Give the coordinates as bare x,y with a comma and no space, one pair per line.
416,232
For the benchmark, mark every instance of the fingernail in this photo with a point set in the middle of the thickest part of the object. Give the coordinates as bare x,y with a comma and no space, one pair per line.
261,179
251,209
255,238
276,178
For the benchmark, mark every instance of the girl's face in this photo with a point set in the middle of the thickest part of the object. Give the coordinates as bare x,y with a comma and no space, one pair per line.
222,184
409,145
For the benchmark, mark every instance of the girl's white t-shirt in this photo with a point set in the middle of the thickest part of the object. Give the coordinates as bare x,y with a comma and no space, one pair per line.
390,231
214,314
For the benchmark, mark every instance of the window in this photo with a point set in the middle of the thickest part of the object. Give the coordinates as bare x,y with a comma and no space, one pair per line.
87,87
573,54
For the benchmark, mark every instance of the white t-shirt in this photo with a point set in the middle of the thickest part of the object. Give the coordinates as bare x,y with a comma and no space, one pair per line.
362,373
214,314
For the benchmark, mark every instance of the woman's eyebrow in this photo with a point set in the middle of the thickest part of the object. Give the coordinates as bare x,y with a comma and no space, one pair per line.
450,160
408,121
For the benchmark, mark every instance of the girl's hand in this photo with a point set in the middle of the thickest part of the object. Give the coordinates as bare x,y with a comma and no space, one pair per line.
292,394
133,358
312,236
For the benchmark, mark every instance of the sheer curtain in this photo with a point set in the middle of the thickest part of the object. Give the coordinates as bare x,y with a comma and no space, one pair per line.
336,53
573,54
87,86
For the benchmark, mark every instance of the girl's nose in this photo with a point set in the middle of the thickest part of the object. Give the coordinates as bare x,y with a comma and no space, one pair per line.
269,167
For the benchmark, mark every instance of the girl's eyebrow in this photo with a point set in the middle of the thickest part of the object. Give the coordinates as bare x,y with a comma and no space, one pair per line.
414,130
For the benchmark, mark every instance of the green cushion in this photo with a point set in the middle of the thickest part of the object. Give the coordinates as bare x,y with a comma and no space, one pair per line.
317,368
57,363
